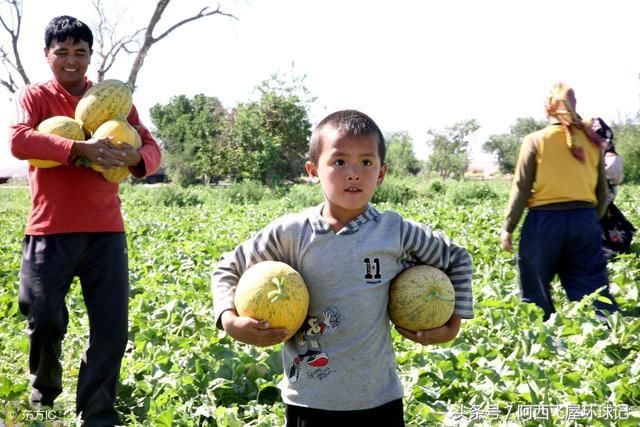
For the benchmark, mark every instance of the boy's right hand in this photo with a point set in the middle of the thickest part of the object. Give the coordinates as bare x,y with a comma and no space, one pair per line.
251,331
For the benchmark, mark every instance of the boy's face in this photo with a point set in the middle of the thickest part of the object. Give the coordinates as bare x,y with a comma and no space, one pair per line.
349,169
69,61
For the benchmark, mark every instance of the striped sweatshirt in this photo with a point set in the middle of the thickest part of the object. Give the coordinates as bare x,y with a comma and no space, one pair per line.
342,358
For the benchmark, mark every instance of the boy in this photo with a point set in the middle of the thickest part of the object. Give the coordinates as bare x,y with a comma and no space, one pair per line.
75,228
340,366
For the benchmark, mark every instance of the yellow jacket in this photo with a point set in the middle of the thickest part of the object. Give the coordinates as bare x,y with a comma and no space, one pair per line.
548,175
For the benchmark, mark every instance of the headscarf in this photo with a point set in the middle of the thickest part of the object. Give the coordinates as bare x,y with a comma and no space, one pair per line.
561,105
601,129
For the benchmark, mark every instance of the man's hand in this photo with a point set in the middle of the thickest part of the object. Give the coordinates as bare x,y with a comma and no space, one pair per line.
106,153
130,156
443,334
505,240
251,331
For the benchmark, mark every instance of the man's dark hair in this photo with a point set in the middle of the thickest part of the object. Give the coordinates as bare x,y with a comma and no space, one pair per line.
63,27
351,123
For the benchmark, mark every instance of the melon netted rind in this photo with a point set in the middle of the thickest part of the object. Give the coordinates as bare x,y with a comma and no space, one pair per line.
107,100
421,297
62,126
275,292
120,131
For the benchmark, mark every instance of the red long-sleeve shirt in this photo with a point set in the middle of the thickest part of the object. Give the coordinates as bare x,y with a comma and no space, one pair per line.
68,198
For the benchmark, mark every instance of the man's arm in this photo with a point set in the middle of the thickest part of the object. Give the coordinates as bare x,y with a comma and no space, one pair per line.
25,142
150,154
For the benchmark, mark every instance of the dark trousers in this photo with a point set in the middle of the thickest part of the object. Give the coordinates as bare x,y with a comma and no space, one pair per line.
389,415
567,243
49,265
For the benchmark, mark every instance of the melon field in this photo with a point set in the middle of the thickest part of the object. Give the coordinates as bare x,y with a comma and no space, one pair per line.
506,367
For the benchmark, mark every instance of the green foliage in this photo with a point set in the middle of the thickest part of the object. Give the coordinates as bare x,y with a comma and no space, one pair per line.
449,155
400,158
470,192
506,146
180,370
300,196
170,196
268,138
394,190
191,132
627,141
437,186
246,192
263,140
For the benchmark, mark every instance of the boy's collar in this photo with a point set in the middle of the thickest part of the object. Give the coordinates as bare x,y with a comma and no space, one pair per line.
321,226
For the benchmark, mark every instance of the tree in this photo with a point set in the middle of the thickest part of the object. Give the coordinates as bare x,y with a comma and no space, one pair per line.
191,132
268,138
10,60
450,149
400,156
626,137
506,146
108,43
149,39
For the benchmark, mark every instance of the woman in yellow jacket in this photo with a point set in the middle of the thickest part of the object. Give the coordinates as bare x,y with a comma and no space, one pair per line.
560,178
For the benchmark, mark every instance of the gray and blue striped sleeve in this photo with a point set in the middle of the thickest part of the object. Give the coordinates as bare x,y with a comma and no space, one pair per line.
263,246
425,246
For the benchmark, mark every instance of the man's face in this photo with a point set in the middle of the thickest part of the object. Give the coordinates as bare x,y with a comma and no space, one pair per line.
68,61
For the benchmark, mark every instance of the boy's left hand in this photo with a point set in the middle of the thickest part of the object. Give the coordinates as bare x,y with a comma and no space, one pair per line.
444,333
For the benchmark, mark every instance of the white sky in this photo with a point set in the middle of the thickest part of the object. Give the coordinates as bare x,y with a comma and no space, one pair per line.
412,65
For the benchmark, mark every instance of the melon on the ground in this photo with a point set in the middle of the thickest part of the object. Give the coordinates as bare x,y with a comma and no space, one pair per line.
421,297
62,126
107,100
120,131
275,292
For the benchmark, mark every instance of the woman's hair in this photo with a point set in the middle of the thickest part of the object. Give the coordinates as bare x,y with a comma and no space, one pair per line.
350,123
63,27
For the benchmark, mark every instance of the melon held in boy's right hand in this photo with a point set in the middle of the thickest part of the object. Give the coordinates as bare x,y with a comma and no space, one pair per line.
275,292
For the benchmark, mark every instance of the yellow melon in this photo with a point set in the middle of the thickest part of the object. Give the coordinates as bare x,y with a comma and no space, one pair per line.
107,100
275,292
62,126
120,131
421,297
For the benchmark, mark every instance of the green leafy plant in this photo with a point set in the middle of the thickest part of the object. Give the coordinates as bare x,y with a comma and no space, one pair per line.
180,370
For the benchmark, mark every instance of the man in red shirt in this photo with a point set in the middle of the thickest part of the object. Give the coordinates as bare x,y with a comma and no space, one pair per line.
75,228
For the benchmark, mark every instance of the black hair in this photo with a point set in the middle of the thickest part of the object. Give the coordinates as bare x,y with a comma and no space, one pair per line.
64,27
351,123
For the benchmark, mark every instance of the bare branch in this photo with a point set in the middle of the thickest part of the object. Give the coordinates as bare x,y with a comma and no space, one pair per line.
13,63
108,45
149,40
203,13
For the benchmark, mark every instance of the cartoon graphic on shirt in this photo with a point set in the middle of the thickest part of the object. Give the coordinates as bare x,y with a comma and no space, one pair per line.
309,335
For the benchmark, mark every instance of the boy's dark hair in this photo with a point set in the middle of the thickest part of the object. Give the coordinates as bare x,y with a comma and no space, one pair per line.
63,27
350,122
